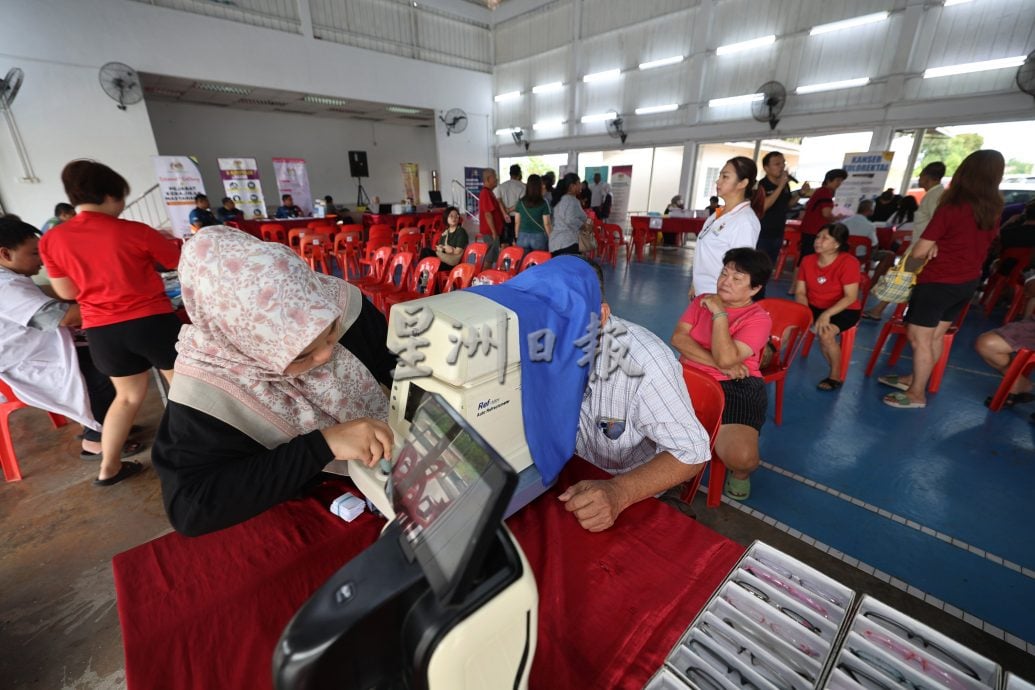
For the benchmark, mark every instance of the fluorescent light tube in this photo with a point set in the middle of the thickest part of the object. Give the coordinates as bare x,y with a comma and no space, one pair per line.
833,85
325,100
735,100
548,88
650,110
548,124
507,130
400,109
600,117
508,96
950,3
662,62
848,23
969,67
746,45
607,75
222,88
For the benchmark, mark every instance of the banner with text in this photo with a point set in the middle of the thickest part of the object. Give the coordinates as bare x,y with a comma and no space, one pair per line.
178,180
867,175
293,179
411,182
241,181
621,181
473,185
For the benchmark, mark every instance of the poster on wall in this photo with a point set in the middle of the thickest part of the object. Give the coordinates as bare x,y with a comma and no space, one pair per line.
867,175
592,170
472,185
293,179
621,182
241,182
411,181
178,180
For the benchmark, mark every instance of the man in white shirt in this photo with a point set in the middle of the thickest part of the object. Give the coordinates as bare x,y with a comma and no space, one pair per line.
860,225
599,191
509,193
636,422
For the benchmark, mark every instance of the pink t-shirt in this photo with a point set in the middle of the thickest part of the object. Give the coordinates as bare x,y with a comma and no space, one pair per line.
749,325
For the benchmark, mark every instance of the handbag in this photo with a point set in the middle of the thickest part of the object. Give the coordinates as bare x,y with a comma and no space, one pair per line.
895,286
587,240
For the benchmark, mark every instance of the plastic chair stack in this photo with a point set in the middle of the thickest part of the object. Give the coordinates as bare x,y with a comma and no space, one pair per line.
348,248
708,400
8,459
791,321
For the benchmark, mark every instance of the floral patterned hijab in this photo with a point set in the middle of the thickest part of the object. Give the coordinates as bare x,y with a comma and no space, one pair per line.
255,306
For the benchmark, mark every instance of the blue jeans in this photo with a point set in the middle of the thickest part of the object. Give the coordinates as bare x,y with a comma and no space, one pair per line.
532,241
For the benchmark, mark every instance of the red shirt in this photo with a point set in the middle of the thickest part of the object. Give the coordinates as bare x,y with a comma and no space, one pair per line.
749,325
813,220
489,205
825,285
962,246
112,263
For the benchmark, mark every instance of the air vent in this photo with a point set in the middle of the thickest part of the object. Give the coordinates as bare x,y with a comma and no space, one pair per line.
262,101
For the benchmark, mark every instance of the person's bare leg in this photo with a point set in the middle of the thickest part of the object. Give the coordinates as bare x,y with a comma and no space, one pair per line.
997,353
737,446
831,348
129,396
922,339
876,310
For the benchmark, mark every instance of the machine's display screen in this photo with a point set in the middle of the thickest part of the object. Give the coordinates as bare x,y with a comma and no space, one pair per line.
449,490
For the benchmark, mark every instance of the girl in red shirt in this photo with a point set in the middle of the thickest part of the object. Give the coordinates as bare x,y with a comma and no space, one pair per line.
828,282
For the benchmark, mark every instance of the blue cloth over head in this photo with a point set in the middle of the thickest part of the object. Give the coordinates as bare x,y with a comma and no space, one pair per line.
561,296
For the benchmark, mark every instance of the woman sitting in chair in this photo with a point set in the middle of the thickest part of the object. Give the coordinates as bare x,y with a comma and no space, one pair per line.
276,377
451,246
828,283
724,335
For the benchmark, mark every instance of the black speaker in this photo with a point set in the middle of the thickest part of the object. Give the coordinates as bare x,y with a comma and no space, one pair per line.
358,164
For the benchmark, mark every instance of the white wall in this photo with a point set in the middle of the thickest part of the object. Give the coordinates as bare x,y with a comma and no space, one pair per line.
209,133
63,113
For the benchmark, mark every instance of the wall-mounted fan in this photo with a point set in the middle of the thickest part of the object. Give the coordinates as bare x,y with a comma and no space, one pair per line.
9,86
774,98
614,128
455,121
121,83
518,135
1026,75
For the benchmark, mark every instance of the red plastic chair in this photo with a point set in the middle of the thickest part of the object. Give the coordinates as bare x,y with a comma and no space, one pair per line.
324,225
615,241
1016,304
997,281
376,266
708,400
396,278
404,222
295,236
352,227
791,321
273,232
789,252
8,459
535,258
896,326
380,236
475,255
509,260
348,248
491,276
410,240
314,248
460,277
1022,365
847,343
855,244
641,235
422,284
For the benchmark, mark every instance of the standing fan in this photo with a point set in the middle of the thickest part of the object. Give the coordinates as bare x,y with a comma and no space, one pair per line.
455,121
1026,75
121,83
9,88
774,97
614,128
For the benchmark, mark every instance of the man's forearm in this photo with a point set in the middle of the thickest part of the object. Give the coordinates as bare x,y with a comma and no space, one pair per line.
660,473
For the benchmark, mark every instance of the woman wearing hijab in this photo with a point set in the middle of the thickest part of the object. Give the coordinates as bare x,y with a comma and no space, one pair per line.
265,393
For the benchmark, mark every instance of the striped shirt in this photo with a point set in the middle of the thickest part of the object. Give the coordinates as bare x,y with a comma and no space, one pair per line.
625,421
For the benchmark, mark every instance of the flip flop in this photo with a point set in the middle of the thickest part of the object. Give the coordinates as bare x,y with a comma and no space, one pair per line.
829,384
902,402
1013,399
128,470
737,489
131,448
893,380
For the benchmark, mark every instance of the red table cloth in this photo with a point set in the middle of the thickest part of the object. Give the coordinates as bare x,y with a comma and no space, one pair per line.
206,612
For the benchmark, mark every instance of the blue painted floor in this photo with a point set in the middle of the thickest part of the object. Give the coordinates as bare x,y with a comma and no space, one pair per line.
940,498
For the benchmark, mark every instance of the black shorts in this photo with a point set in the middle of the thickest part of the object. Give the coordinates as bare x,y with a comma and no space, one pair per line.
931,303
845,320
746,402
132,347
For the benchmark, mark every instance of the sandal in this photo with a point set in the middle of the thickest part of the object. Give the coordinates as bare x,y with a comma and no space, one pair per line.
131,448
893,380
1013,399
902,402
127,470
829,384
737,489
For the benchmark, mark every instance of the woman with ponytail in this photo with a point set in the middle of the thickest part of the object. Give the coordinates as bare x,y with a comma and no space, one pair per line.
733,225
